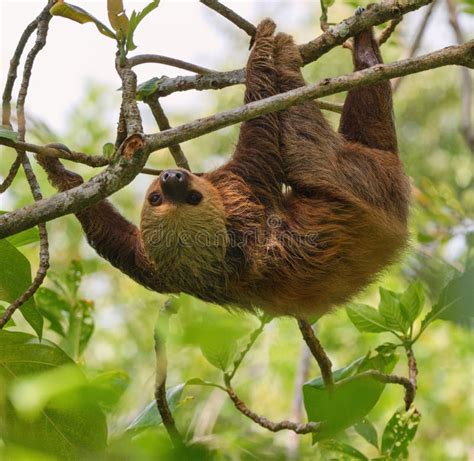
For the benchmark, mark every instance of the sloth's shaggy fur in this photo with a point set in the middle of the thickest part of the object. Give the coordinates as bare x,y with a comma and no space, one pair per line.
299,220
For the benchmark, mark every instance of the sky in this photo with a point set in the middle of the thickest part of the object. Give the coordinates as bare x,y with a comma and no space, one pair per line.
76,54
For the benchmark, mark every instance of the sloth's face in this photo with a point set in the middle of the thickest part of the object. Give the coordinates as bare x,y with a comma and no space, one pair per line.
183,220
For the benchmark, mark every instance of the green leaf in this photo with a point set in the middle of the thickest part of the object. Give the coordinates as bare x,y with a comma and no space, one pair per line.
84,308
117,17
6,133
108,388
15,278
399,432
344,448
150,417
54,308
23,238
349,401
69,426
366,318
339,374
219,353
135,19
77,14
147,88
73,277
391,311
413,300
367,430
10,323
456,301
108,150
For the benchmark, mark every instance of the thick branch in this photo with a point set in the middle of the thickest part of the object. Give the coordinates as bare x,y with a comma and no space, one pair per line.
120,174
167,61
453,55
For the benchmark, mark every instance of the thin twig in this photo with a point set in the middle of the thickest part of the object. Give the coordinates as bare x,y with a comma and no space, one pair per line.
318,352
66,154
232,16
417,40
42,31
122,172
387,379
412,366
253,337
388,31
299,428
7,182
160,377
302,374
12,71
466,86
167,61
164,124
56,152
7,93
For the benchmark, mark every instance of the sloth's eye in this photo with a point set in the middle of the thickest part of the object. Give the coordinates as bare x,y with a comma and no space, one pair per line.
155,199
194,198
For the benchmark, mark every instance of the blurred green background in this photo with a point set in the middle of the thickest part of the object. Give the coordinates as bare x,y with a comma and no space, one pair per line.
428,115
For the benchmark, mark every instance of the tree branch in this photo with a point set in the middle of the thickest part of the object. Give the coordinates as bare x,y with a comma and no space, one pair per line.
160,376
318,352
42,32
167,61
388,31
124,170
253,337
387,379
164,124
299,428
334,36
466,88
232,16
417,41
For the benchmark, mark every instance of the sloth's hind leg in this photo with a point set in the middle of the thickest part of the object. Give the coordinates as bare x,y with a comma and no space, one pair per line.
309,144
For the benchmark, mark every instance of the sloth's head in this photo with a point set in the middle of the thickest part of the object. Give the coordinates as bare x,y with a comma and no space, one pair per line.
183,221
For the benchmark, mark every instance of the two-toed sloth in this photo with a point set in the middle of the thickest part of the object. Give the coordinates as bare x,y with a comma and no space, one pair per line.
298,220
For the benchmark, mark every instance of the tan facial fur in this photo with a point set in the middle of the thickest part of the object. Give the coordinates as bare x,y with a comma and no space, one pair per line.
187,243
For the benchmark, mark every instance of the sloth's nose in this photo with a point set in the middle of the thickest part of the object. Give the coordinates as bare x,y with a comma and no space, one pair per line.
174,184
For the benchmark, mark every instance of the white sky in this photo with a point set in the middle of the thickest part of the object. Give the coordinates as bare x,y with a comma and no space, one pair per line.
76,54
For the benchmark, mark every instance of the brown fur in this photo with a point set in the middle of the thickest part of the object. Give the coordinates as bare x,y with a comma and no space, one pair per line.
299,220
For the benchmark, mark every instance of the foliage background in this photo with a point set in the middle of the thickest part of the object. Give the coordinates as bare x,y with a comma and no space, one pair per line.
427,108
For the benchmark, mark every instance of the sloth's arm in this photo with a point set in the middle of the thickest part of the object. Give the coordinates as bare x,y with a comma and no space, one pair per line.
367,116
257,157
107,231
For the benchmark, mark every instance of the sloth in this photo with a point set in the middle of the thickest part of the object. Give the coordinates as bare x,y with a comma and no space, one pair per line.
299,220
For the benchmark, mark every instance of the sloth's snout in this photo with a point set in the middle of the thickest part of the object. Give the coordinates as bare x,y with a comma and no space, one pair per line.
175,184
